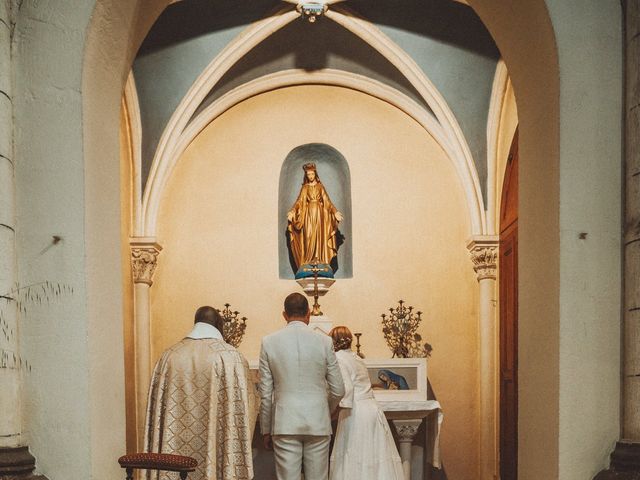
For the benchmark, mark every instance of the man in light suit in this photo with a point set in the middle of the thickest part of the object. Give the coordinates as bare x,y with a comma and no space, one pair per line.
300,385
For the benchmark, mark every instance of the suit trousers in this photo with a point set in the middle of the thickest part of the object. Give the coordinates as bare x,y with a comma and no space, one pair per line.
295,451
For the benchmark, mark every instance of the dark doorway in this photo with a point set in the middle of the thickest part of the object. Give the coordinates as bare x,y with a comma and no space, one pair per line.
508,275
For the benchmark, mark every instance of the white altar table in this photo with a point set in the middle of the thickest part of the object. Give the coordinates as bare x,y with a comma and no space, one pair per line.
407,416
406,409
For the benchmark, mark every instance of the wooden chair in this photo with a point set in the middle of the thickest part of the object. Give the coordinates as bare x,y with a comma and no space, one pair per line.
158,461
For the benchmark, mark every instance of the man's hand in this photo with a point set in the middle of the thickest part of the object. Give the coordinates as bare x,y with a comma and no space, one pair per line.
268,443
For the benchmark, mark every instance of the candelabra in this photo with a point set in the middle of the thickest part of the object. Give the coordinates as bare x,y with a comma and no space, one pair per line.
400,332
315,268
234,326
358,352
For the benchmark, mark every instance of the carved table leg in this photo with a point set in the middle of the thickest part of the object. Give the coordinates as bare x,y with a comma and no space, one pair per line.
407,430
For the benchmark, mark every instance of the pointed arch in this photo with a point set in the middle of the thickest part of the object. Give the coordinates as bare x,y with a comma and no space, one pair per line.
132,111
162,161
463,160
172,139
496,107
290,78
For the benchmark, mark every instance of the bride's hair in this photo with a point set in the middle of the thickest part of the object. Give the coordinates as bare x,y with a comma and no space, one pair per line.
341,337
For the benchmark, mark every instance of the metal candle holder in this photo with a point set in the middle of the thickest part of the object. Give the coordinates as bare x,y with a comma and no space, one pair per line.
400,329
358,352
315,268
234,326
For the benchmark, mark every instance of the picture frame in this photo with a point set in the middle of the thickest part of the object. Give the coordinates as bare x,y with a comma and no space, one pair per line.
413,370
406,378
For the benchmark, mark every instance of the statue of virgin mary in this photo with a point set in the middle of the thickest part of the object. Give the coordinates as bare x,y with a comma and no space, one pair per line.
313,226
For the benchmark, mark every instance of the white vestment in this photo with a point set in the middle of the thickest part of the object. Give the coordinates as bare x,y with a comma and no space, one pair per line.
202,403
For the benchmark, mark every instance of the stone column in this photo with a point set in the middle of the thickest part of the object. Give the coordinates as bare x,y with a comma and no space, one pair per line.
631,387
484,256
406,430
625,459
15,459
10,357
144,258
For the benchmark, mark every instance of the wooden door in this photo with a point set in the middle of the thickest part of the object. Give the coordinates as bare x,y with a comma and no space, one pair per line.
508,276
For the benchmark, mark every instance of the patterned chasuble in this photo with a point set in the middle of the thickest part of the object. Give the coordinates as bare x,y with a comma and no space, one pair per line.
203,404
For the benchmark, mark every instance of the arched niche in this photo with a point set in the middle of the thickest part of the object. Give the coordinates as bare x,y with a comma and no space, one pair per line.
107,34
333,171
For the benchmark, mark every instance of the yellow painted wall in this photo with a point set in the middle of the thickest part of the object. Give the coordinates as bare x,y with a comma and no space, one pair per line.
218,229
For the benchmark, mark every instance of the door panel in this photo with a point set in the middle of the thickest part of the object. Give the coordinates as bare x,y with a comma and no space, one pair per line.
508,275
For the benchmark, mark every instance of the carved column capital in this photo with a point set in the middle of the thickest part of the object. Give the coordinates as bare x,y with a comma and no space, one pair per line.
407,429
144,259
484,255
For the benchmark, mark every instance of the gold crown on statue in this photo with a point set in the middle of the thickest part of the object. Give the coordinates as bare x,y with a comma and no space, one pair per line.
309,166
234,326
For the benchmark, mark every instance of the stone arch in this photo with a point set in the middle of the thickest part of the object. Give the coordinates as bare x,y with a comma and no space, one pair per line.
117,28
462,158
131,105
298,77
524,32
164,160
458,151
496,106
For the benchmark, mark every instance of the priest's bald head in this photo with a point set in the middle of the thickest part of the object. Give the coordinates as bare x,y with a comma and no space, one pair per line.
210,316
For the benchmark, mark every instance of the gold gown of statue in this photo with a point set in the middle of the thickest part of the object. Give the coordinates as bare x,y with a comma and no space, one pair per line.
314,226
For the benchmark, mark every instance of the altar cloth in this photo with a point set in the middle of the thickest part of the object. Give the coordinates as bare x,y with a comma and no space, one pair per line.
396,410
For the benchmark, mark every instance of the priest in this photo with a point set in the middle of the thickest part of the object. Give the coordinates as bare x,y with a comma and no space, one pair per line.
203,404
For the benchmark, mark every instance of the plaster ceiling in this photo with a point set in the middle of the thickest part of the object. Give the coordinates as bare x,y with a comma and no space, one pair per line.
445,38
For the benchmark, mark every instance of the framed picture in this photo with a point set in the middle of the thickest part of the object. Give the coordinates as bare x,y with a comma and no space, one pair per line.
400,379
392,379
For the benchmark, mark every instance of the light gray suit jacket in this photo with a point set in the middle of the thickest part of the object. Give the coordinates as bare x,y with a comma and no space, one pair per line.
300,382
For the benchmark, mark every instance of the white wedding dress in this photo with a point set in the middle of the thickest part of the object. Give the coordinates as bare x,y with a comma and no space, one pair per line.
364,447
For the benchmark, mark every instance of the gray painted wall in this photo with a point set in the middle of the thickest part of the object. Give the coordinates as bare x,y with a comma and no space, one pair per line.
452,47
164,76
323,44
464,78
182,42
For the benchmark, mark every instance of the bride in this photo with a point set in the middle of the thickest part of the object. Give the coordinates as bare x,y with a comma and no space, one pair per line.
364,447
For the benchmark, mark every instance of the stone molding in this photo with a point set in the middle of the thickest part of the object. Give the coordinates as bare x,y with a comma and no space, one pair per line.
407,429
163,160
463,160
144,259
18,463
484,256
134,124
625,463
495,173
172,140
